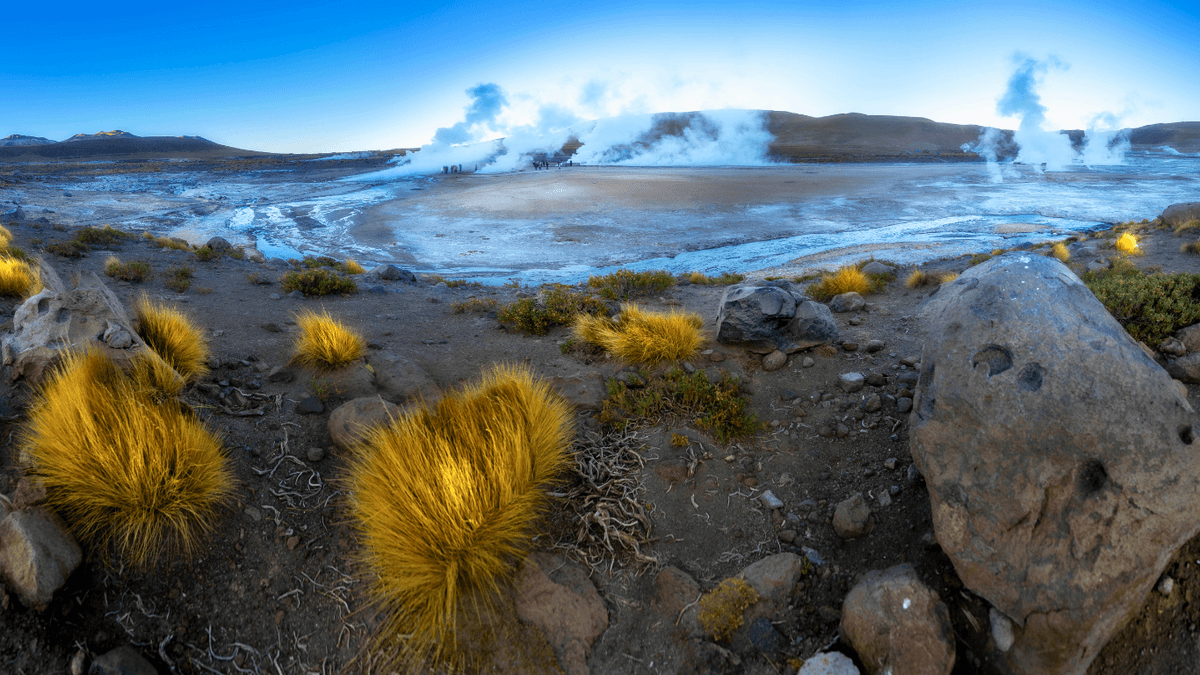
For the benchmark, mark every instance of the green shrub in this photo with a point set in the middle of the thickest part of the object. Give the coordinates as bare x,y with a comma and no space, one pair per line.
674,395
559,307
726,279
67,249
624,284
319,281
130,271
475,305
207,254
101,236
178,279
1150,306
319,261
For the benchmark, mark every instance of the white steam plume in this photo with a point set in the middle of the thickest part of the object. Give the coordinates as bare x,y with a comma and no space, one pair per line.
1020,99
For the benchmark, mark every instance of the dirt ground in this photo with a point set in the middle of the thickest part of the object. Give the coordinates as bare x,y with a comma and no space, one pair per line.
276,590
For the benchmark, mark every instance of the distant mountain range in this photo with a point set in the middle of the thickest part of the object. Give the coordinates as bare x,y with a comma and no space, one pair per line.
797,138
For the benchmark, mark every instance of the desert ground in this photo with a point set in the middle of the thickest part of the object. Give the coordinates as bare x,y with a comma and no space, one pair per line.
276,588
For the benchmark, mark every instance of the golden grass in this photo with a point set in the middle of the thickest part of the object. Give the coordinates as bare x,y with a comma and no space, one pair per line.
638,336
18,278
5,236
1190,224
1059,250
444,500
845,280
325,343
131,473
1127,243
173,337
722,610
920,278
352,267
1193,248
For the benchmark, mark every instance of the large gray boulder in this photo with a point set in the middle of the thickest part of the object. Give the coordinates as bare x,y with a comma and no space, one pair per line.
773,315
1178,214
88,316
1059,457
898,625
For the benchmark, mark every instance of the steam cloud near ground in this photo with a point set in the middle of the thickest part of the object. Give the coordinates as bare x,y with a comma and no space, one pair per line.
713,138
1103,141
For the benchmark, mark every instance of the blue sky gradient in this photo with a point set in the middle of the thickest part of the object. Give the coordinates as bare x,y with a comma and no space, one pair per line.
325,77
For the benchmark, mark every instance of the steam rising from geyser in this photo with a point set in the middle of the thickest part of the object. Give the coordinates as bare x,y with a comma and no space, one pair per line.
481,139
1103,142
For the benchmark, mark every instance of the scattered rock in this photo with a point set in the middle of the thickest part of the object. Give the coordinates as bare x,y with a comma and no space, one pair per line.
876,379
876,267
771,316
873,403
220,245
400,379
1068,529
770,501
352,381
1173,347
847,302
1178,214
78,662
567,608
1166,585
37,555
775,576
829,663
123,660
874,346
1185,368
774,361
674,590
897,625
904,405
310,405
30,492
351,420
280,374
764,637
851,382
585,393
808,362
850,346
1190,337
393,273
852,518
1002,629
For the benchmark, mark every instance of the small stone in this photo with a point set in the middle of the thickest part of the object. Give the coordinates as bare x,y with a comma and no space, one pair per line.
787,536
774,361
271,327
875,346
842,431
1166,585
688,368
78,662
310,405
1002,629
123,660
316,454
903,404
873,403
847,302
274,296
825,431
254,513
1173,347
808,362
852,518
851,382
716,357
910,361
770,501
850,346
884,499
280,374
890,463
914,474
829,663
296,294
855,320
876,379
293,542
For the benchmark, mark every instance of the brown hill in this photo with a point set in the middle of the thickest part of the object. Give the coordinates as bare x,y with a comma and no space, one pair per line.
121,145
854,136
1182,136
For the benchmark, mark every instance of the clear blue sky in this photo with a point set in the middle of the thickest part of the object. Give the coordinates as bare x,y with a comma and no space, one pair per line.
337,76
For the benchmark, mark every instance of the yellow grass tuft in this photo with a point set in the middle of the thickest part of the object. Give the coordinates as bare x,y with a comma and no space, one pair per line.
844,280
1059,250
5,236
352,267
917,279
444,500
643,337
173,336
18,278
1127,243
326,343
130,472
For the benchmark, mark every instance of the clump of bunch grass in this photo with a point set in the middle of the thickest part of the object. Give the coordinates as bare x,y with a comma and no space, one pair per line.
920,278
845,280
18,278
5,236
325,343
207,254
1059,250
351,266
311,262
178,279
558,306
475,305
444,499
1150,306
674,395
67,249
637,336
131,472
725,279
1127,244
173,336
130,271
625,283
318,282
167,242
1190,224
101,236
1193,248
979,258
722,610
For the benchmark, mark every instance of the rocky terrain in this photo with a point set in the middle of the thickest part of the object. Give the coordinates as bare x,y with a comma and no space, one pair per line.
825,511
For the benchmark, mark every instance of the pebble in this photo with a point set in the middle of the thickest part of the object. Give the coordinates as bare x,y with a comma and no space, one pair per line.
850,346
770,501
316,454
903,404
774,361
274,296
890,463
842,431
296,294
716,357
310,405
851,382
884,499
78,662
808,362
254,513
1166,585
688,368
873,403
913,473
787,536
855,320
292,542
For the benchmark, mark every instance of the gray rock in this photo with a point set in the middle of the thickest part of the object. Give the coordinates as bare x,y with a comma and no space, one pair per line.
1173,347
675,590
1041,429
296,295
400,379
875,346
898,625
393,273
123,660
908,378
872,403
1002,629
1185,368
310,405
774,576
220,245
828,663
1190,337
1099,265
904,405
350,421
770,501
876,379
808,362
812,326
774,361
757,316
847,302
37,555
280,374
764,637
852,517
315,454
1178,214
352,381
566,607
851,382
876,267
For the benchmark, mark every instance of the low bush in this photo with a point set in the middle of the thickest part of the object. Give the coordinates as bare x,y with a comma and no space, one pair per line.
1190,224
131,271
1193,248
722,610
132,473
167,242
625,284
559,307
178,279
101,236
444,499
207,254
920,278
475,306
643,337
317,282
674,395
1150,306
726,279
67,249
325,343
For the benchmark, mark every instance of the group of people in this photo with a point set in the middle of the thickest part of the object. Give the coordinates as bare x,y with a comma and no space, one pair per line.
543,164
